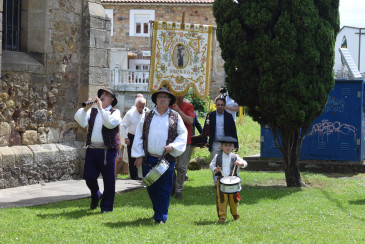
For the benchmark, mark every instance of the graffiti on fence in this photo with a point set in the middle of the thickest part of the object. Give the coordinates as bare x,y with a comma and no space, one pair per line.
327,128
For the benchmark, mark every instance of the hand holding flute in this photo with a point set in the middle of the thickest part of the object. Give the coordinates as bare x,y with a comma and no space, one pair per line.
90,103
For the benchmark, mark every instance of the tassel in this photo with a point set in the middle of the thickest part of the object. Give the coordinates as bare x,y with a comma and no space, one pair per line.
238,196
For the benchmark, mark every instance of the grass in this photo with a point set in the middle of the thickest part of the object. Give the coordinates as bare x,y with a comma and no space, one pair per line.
329,210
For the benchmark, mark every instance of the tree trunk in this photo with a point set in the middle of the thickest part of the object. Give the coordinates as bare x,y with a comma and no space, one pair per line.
290,149
292,174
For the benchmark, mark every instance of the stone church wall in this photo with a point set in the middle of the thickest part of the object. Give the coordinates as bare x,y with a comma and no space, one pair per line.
63,60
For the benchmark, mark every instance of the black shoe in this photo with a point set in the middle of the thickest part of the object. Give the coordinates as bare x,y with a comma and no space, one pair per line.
178,195
95,202
159,222
105,211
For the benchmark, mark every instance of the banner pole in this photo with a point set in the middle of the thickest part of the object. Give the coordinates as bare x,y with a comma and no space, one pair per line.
151,22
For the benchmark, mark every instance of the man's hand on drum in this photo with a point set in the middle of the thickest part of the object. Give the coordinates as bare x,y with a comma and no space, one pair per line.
218,169
138,162
168,149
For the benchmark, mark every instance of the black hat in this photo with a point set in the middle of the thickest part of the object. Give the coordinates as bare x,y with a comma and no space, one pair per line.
163,89
100,91
227,139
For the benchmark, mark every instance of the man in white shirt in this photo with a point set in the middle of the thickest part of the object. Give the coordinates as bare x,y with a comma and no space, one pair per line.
160,132
102,141
128,131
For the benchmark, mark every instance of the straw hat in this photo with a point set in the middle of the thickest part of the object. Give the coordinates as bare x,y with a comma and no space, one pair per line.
165,90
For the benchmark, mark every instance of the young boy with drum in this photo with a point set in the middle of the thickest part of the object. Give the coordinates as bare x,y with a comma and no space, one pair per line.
226,165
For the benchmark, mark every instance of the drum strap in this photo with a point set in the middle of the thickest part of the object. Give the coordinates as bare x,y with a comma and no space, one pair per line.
146,129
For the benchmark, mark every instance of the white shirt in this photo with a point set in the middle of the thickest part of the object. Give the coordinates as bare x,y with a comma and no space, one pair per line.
158,134
219,126
103,117
226,163
230,102
130,121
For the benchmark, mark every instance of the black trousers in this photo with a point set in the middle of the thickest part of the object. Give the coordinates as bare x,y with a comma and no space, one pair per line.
133,172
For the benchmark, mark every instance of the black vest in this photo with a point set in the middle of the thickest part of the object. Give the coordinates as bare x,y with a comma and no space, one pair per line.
110,136
219,161
172,131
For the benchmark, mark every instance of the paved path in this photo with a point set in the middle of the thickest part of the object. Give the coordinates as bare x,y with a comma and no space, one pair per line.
39,194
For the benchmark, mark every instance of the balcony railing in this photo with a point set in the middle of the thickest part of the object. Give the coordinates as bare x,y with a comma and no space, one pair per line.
121,79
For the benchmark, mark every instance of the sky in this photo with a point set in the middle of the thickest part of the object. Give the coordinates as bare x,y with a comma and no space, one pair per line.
352,13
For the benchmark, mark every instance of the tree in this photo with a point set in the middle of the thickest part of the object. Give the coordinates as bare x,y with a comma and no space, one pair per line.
279,56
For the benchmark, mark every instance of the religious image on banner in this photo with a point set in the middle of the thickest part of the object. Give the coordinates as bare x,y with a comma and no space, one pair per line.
181,57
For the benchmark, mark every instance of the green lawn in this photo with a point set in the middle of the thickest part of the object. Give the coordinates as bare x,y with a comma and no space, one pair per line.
329,210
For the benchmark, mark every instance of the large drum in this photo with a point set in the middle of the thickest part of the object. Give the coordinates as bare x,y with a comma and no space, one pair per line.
156,172
230,184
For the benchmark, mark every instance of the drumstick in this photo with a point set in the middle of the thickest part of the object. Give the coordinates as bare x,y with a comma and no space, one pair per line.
221,172
234,169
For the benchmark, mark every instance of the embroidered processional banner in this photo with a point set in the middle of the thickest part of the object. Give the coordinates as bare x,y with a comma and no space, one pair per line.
181,57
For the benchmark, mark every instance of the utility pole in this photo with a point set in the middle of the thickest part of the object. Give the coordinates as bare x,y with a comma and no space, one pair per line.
359,33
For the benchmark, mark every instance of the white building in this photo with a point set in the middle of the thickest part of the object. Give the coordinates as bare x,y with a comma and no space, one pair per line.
354,39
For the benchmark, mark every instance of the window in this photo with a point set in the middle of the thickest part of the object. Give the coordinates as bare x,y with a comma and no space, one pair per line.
109,12
11,25
139,22
139,64
142,67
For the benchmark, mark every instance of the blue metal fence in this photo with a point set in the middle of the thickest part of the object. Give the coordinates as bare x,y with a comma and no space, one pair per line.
337,134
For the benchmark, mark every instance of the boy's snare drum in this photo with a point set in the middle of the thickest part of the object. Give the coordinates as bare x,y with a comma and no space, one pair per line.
230,184
156,172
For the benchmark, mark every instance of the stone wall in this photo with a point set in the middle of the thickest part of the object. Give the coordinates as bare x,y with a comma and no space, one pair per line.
44,84
33,164
1,30
39,94
194,13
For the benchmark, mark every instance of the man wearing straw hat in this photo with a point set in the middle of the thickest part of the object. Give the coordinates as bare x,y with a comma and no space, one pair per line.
160,132
102,141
